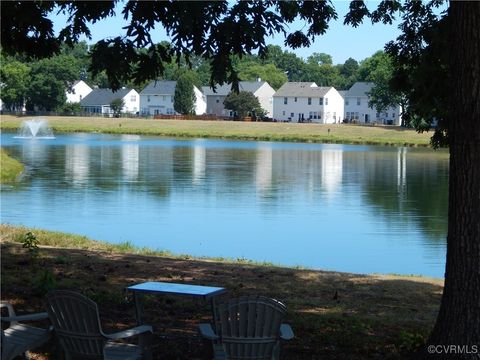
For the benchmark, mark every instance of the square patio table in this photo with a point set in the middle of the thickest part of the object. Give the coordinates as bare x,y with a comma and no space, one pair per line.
166,288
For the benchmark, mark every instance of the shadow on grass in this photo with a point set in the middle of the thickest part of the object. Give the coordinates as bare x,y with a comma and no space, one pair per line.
334,315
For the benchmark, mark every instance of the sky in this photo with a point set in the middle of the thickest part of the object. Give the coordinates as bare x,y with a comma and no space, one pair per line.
340,41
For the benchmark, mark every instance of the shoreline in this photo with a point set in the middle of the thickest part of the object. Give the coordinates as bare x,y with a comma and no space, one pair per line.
62,240
334,315
234,130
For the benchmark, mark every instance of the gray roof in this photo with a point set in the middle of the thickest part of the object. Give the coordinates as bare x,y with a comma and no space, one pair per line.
360,89
160,87
224,90
302,89
103,96
342,93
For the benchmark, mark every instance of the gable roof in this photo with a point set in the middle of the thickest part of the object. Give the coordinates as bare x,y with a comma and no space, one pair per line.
103,96
224,90
360,88
302,89
160,87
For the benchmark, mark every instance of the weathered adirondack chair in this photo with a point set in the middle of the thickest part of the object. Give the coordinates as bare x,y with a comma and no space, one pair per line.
18,338
77,325
248,328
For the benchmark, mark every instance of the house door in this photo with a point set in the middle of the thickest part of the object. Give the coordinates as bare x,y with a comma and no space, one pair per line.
367,118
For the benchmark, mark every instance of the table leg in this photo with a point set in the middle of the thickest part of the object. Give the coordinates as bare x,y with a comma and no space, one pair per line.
137,298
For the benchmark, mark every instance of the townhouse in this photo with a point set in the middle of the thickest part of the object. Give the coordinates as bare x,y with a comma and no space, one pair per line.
307,102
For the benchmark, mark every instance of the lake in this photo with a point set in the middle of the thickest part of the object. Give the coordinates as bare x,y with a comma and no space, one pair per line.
362,209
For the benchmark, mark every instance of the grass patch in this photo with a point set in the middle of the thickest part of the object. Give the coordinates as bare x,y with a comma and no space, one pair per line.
235,130
10,168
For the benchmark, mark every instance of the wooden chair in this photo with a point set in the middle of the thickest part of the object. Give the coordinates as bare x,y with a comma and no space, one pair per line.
18,338
77,325
248,328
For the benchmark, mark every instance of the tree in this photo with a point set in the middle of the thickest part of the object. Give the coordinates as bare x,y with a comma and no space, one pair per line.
117,106
184,98
243,103
215,30
320,59
50,78
251,71
14,84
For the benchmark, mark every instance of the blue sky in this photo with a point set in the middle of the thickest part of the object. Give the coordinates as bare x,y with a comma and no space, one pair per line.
340,41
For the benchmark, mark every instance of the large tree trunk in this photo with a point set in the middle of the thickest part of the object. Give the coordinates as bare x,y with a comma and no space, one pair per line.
458,321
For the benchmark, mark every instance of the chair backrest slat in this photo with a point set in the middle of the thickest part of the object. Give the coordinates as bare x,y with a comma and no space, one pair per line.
77,324
250,327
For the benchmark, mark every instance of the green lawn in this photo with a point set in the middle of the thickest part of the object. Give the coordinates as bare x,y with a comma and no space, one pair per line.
341,133
10,168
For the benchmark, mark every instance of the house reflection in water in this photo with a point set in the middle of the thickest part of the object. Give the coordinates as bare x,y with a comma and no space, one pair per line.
263,169
332,170
130,157
77,160
199,162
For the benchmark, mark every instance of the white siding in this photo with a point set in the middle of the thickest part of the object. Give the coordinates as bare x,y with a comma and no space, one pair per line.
79,91
132,102
265,98
162,104
319,111
357,110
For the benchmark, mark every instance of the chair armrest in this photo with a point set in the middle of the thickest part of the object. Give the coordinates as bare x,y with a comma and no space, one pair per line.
286,332
130,332
27,317
9,307
206,331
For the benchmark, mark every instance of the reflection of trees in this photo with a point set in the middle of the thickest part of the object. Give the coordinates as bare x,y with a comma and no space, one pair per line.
411,185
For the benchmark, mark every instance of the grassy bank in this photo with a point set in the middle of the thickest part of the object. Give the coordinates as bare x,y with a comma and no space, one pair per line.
10,169
334,315
347,134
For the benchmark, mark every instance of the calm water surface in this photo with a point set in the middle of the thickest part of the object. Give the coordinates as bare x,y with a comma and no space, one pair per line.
339,207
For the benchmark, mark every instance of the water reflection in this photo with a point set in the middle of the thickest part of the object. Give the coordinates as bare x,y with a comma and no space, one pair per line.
351,208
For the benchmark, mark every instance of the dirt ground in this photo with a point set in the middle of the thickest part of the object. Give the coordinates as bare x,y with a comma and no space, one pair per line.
334,315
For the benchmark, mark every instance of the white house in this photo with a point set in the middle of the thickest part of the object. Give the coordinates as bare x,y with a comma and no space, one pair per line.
78,91
307,102
98,101
358,111
261,89
157,98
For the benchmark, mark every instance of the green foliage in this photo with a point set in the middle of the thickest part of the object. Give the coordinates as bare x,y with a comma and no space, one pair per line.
44,282
117,106
14,83
252,70
244,103
184,98
320,59
70,108
30,242
50,80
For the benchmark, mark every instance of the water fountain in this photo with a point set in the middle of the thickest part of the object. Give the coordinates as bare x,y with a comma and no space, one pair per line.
35,129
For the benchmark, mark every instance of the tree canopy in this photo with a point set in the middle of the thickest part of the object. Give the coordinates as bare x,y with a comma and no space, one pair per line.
184,99
243,103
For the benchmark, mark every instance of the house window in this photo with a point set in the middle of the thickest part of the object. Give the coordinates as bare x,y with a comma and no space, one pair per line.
320,101
326,101
133,98
358,101
81,97
292,115
164,98
346,101
377,115
217,100
393,115
285,101
148,98
295,99
284,113
309,101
